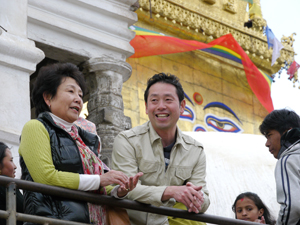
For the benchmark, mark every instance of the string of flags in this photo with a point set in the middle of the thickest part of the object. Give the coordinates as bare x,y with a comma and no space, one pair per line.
274,43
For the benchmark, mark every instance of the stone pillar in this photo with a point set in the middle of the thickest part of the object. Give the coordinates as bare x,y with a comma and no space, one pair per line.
105,105
18,59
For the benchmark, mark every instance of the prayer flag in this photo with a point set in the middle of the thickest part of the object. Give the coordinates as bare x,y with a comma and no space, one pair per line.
249,1
149,43
274,43
270,37
277,46
255,10
293,69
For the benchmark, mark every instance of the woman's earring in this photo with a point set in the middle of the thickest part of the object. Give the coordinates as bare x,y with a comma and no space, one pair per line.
49,106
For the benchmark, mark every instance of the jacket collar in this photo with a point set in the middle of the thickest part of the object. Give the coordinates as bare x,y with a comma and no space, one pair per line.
288,140
154,136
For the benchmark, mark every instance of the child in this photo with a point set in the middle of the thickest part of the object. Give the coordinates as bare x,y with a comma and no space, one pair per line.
248,206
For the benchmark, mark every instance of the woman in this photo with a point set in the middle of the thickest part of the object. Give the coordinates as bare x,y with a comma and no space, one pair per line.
54,151
8,168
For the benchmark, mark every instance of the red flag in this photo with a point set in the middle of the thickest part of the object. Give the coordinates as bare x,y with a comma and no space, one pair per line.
146,44
293,69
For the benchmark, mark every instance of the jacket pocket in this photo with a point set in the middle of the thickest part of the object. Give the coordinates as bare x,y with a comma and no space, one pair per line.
183,174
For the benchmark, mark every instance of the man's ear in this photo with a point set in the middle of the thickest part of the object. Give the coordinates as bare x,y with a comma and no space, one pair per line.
182,106
146,108
47,98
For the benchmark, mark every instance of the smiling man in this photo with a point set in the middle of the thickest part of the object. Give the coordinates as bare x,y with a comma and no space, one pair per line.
282,130
174,164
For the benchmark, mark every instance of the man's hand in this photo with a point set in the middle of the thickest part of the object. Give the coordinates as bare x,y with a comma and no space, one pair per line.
130,185
201,200
190,195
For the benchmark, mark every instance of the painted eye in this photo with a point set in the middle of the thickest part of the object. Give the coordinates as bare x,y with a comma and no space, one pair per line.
222,124
188,114
198,128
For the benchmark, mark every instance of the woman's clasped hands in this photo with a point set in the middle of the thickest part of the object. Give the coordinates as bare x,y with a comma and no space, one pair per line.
116,177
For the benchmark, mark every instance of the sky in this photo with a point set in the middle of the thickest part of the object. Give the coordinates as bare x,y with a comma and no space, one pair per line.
283,17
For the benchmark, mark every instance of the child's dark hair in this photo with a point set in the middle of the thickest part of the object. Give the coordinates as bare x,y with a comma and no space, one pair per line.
259,204
3,148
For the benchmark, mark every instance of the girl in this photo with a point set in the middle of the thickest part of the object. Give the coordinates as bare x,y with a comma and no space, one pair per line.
248,206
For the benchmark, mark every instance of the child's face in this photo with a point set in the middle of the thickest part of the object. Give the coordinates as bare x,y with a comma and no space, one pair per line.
245,209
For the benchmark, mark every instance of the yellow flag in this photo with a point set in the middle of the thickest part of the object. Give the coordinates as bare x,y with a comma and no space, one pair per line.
255,10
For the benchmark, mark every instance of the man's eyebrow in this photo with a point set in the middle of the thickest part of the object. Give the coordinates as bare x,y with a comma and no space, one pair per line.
167,94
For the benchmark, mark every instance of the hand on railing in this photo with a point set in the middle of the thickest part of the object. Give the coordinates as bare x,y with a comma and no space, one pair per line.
130,185
198,201
190,195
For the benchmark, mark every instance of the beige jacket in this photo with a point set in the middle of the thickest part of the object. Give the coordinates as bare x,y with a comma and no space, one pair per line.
140,150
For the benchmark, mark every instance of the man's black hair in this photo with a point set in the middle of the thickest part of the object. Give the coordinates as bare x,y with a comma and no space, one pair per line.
280,120
168,79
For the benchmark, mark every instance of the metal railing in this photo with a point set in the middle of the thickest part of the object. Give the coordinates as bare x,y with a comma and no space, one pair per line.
11,215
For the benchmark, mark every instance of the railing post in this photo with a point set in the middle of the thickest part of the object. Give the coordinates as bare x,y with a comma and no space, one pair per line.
11,203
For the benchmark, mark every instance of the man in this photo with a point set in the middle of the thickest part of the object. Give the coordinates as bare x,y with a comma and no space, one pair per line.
282,130
174,164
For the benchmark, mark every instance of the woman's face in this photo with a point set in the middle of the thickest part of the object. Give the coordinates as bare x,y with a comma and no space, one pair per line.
8,168
67,103
245,209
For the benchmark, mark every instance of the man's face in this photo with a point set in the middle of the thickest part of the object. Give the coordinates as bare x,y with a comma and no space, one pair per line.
163,107
273,142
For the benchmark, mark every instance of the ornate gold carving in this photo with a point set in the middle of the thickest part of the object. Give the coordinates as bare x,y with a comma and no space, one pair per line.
288,40
258,23
251,40
230,6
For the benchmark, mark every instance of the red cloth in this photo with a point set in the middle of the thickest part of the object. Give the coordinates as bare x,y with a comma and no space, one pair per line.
149,45
293,69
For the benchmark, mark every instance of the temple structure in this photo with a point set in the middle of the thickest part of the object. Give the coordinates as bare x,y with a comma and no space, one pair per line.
218,94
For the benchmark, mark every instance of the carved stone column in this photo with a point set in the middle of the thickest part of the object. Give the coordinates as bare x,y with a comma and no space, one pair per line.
105,105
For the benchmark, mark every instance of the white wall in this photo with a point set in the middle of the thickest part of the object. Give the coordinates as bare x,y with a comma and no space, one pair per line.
237,163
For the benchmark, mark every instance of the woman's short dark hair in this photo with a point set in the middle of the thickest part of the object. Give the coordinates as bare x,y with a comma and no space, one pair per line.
259,204
48,80
3,148
280,120
165,78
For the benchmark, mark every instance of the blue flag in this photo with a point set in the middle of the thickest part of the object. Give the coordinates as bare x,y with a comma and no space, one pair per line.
270,37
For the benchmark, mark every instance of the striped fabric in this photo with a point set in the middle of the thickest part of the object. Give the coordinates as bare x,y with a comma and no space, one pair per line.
150,43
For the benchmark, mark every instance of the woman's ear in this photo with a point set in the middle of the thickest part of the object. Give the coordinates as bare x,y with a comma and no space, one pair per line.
47,98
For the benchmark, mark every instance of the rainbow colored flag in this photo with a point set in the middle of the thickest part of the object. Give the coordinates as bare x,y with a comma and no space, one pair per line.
149,43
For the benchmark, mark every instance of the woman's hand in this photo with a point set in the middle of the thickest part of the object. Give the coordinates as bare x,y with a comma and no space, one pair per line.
262,220
130,186
114,177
